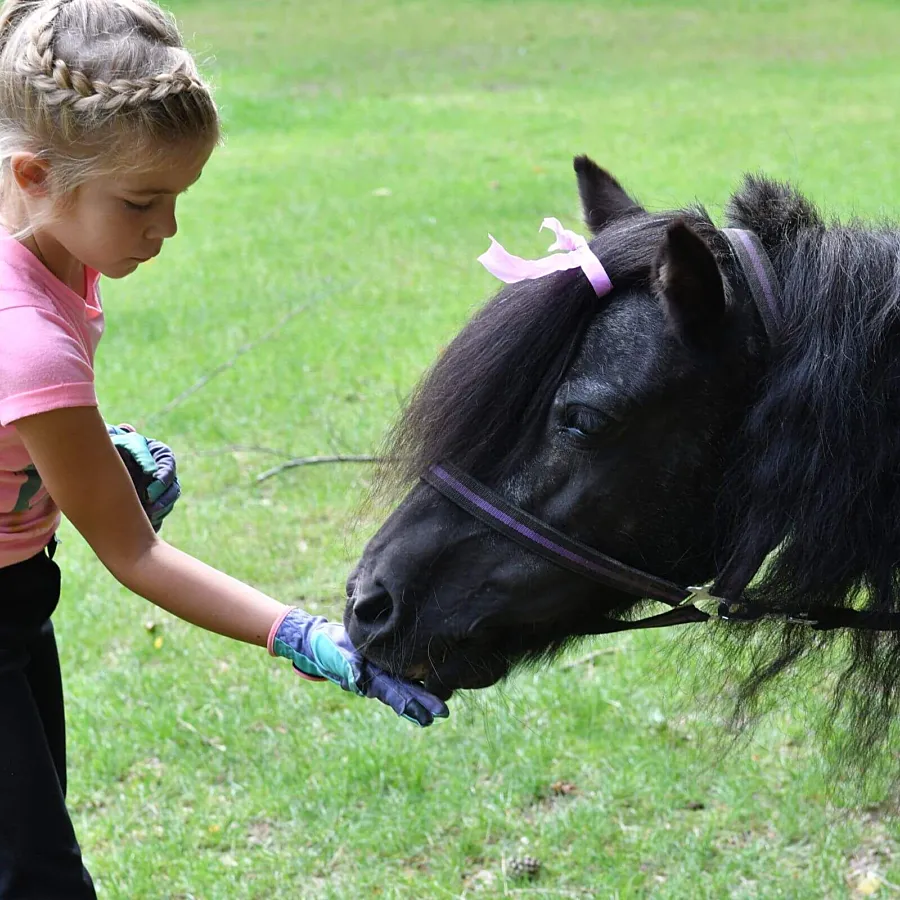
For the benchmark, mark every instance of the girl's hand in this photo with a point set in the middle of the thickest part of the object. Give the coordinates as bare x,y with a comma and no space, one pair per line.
322,650
151,465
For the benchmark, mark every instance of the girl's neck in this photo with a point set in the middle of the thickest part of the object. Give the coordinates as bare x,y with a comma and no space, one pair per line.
49,252
58,260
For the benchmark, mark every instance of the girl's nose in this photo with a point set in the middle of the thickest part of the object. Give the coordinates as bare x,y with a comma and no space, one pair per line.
162,228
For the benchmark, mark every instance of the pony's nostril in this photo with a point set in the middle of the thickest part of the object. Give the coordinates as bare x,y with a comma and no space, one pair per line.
373,608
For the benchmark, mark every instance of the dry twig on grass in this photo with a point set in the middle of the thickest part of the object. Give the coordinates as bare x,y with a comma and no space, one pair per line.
314,461
243,350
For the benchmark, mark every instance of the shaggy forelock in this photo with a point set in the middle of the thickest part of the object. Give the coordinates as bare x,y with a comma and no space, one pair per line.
486,395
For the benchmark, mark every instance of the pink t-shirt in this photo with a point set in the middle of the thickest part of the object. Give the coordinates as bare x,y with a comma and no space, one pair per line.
48,335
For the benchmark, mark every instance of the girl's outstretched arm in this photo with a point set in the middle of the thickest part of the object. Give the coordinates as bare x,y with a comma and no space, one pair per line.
86,478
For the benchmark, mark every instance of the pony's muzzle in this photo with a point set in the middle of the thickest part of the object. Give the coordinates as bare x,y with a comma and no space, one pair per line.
371,617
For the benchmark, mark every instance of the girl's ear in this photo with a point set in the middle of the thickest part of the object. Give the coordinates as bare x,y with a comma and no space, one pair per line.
31,174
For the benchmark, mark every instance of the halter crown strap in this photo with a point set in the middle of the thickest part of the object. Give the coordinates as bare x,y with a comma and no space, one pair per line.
757,269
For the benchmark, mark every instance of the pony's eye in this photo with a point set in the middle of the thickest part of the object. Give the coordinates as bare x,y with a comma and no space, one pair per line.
585,421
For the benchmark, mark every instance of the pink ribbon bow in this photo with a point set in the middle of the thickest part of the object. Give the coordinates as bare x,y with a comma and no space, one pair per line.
577,255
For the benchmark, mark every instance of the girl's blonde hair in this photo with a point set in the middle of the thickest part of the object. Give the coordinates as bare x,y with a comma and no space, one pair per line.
91,86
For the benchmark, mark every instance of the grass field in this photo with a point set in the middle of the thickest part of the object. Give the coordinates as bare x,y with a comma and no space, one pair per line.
372,144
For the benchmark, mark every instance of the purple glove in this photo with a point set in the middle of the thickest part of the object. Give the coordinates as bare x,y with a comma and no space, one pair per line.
151,465
320,649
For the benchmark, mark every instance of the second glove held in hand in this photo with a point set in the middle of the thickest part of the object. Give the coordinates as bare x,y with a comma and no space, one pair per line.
151,465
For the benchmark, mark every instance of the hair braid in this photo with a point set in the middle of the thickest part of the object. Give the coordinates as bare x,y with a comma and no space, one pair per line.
70,87
62,86
41,48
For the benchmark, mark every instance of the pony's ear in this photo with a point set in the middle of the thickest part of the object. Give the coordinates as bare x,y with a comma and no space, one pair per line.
602,197
687,279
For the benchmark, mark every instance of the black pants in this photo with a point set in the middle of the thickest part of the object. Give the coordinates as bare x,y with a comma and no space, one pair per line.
39,855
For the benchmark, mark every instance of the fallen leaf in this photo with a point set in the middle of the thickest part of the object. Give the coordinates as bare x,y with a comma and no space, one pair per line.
867,885
481,880
563,788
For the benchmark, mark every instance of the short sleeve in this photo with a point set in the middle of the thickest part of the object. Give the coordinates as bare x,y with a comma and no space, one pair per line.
43,364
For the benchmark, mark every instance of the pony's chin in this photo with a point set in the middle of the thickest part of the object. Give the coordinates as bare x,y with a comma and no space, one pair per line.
431,681
437,687
444,680
452,674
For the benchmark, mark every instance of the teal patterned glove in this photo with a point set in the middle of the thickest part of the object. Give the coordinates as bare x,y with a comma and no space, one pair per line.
321,650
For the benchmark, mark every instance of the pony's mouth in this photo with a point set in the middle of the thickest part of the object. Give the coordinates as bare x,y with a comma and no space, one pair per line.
430,680
454,674
470,659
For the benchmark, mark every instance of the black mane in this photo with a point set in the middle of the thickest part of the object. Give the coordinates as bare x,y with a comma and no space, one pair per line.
819,458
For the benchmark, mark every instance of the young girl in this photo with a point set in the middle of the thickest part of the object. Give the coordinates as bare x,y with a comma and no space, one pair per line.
104,122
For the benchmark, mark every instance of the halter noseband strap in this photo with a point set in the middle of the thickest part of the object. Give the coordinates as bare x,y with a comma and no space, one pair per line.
531,533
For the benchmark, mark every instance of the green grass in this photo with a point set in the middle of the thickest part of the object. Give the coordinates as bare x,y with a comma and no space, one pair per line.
372,144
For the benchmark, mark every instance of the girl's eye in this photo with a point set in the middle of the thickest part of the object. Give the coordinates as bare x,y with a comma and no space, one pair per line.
585,421
137,207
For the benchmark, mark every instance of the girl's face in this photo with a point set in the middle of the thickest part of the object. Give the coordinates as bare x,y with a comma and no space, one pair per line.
114,223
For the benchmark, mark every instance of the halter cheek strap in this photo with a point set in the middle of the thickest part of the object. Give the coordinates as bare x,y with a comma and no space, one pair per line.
487,506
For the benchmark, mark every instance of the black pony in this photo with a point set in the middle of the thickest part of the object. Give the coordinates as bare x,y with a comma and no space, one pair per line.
666,427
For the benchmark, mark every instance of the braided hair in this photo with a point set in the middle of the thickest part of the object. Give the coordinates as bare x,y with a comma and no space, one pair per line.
88,85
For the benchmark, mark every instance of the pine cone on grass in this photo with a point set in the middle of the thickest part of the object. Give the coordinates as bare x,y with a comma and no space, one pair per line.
523,867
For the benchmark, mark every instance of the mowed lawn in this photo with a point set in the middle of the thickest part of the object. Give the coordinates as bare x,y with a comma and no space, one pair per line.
372,144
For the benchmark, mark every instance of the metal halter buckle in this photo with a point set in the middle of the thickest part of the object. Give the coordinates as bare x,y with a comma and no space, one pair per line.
700,597
801,619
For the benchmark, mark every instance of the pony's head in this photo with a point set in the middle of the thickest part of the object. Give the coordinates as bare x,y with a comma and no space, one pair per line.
677,427
613,420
